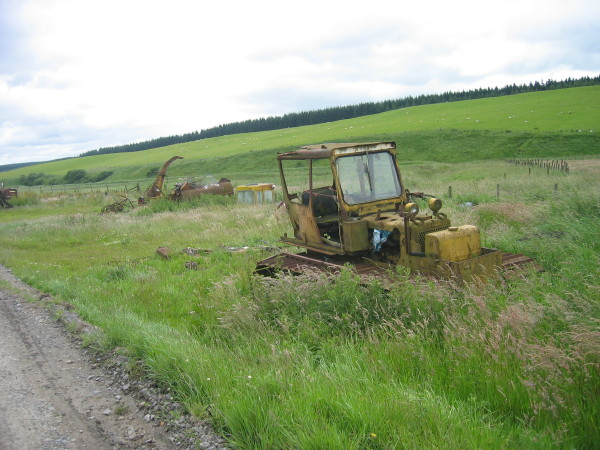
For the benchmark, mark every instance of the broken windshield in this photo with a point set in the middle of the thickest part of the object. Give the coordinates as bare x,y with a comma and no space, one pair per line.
368,177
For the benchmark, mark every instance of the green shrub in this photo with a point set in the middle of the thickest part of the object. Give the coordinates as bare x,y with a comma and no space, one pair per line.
75,176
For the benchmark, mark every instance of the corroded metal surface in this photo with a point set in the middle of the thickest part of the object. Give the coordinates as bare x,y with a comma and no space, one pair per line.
5,196
303,263
118,205
188,190
155,190
512,265
366,218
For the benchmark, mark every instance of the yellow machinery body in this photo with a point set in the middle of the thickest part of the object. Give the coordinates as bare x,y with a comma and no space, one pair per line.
366,216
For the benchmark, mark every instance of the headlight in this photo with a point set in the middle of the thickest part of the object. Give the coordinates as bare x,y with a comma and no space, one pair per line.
435,204
412,209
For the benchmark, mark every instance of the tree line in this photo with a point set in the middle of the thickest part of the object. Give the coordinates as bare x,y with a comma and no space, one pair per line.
332,114
71,177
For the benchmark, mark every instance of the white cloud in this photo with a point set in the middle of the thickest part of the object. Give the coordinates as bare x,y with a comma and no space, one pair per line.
100,73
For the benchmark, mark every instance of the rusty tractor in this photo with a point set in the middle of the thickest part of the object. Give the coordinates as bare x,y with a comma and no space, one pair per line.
366,217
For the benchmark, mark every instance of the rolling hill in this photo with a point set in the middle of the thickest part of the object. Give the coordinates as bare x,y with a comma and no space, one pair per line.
558,123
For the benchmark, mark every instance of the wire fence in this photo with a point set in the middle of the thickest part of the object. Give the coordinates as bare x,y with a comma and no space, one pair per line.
94,188
549,164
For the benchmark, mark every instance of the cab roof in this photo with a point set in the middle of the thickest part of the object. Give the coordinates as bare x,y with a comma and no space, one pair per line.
324,151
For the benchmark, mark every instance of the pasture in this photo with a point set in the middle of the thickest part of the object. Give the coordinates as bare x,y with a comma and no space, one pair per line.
548,124
333,363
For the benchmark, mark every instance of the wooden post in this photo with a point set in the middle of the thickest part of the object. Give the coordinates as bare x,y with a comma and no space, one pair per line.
449,191
498,190
530,171
555,187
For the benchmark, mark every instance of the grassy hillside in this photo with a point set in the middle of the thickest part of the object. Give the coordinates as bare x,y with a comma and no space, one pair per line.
519,125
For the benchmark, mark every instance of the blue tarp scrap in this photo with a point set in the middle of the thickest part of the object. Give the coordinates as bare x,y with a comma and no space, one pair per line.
379,237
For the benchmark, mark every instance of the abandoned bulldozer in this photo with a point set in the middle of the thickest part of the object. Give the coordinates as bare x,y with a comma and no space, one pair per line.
367,218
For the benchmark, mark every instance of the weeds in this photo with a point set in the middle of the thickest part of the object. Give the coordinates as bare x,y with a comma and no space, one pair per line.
316,362
121,410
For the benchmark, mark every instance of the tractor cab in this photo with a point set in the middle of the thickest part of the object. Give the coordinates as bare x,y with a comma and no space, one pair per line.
363,180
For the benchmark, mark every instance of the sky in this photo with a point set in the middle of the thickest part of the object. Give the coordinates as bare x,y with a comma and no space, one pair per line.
77,75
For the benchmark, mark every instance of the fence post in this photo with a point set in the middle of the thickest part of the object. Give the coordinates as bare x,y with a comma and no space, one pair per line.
498,190
555,187
449,191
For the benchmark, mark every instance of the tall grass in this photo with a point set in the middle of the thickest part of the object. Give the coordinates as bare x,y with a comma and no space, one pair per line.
317,362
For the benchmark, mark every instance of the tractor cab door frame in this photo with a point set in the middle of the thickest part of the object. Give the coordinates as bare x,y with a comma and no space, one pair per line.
314,214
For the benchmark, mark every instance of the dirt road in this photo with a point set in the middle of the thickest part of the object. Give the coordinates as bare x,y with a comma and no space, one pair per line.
53,395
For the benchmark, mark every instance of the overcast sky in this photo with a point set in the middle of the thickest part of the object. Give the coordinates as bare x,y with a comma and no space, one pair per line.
76,75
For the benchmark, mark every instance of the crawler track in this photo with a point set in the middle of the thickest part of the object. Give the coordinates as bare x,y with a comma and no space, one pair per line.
512,265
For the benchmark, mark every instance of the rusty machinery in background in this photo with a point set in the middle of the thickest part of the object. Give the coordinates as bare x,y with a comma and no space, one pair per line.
5,195
185,190
155,191
119,205
366,217
189,189
182,191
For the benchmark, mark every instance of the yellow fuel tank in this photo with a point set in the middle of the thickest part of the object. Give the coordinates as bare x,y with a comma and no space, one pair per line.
454,244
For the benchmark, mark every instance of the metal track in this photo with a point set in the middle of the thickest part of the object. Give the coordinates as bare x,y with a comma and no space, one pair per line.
515,264
512,265
301,263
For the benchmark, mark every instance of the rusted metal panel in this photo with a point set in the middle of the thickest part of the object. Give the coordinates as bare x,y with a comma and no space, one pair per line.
5,195
515,264
325,151
223,187
304,263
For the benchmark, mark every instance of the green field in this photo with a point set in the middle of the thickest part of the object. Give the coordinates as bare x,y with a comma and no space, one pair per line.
320,363
547,124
